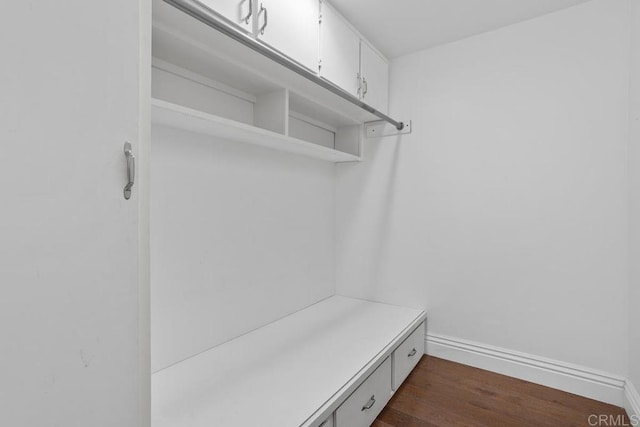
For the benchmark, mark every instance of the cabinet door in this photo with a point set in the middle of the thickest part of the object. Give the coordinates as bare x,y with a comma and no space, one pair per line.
237,12
70,305
375,78
290,27
339,50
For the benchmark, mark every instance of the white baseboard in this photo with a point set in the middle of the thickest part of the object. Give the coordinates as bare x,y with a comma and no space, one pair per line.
574,379
632,401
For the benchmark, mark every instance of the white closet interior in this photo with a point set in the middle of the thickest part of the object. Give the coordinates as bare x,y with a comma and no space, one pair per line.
244,311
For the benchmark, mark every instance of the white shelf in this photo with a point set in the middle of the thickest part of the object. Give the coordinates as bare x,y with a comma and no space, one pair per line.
177,116
293,372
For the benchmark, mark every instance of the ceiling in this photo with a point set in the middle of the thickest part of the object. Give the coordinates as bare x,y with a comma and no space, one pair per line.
398,27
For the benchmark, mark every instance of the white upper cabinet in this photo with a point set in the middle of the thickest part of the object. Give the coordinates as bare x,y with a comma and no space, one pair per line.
238,12
347,60
290,27
374,71
339,50
317,36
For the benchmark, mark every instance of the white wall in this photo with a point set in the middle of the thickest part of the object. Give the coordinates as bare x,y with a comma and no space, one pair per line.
241,236
634,214
504,213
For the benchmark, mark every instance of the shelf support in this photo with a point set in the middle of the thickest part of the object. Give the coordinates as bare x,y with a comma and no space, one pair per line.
209,17
379,129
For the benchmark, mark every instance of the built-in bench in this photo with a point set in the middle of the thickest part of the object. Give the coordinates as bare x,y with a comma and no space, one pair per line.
336,362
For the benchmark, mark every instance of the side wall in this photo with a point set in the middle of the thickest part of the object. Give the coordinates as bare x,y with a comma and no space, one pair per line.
504,213
634,213
240,236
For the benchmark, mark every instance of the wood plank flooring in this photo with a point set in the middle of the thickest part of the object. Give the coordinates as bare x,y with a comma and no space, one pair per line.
447,394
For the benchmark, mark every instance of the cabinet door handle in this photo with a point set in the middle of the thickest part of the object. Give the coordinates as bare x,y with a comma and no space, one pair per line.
370,403
266,18
365,87
412,353
246,18
131,170
359,77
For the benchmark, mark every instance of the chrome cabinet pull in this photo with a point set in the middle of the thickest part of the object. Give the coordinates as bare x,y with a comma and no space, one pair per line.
266,18
131,170
370,403
365,87
359,77
412,353
246,18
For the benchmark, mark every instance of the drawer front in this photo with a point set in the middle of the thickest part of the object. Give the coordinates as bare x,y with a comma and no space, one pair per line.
366,402
407,355
327,423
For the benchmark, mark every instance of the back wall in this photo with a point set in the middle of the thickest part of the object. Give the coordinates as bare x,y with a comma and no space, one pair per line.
240,236
504,213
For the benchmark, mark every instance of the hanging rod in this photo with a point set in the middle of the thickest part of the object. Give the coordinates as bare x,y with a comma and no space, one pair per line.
210,18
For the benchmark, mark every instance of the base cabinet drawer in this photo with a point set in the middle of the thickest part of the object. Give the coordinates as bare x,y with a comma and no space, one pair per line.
407,356
363,406
327,423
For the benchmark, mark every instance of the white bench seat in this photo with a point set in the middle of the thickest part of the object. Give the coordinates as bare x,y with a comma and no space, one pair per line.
293,372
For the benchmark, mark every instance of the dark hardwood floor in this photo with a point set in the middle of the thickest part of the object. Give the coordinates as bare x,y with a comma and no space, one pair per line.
447,394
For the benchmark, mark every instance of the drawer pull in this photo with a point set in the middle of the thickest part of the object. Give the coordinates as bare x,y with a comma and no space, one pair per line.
246,18
413,353
266,18
370,403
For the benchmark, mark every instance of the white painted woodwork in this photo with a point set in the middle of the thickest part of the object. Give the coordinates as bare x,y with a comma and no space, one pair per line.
407,356
349,140
282,373
198,78
271,111
302,128
576,379
291,28
634,213
184,41
328,422
339,50
374,70
374,392
380,128
234,11
218,76
202,96
177,116
72,311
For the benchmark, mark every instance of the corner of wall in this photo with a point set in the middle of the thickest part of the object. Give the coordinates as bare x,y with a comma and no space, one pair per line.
632,402
634,198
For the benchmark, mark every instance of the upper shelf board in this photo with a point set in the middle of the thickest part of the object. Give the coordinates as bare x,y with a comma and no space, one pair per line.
177,116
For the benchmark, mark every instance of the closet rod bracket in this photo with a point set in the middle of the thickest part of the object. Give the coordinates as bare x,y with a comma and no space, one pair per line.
380,128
